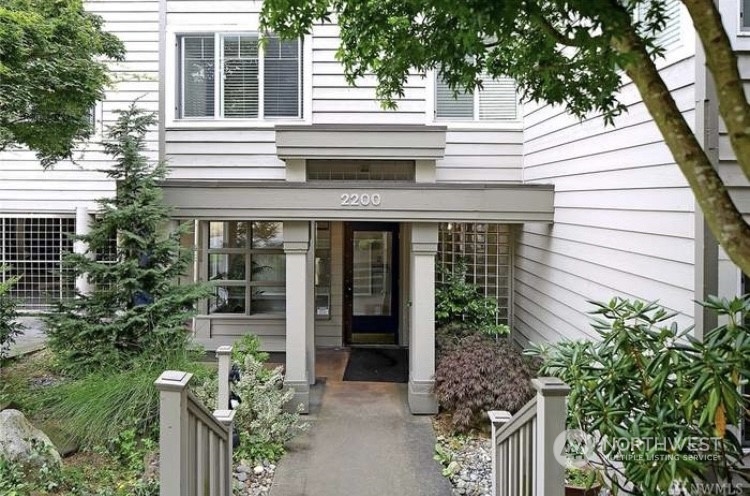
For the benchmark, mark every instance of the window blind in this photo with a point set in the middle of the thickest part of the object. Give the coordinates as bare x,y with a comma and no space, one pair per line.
448,106
240,83
197,76
281,78
498,100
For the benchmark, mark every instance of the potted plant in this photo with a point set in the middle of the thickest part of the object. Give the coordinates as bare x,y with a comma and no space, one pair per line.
584,481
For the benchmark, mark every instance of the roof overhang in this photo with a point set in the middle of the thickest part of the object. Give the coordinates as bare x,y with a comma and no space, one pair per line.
442,202
360,141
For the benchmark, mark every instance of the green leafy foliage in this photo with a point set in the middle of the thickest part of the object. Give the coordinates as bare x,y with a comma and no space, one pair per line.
463,40
137,305
459,301
446,458
102,406
477,375
248,345
261,419
646,381
53,63
10,328
107,478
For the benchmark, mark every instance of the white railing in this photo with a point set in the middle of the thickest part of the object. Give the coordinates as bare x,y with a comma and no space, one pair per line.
195,445
523,460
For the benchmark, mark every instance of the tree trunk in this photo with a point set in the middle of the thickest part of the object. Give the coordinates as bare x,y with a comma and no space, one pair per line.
722,62
723,218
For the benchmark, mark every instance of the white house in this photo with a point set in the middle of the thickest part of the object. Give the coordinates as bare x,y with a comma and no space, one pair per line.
319,216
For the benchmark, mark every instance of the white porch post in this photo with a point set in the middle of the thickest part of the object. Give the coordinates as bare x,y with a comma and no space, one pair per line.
83,226
298,342
424,240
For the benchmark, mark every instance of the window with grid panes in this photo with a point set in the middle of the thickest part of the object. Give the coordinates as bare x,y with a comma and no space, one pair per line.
485,251
495,101
231,76
246,265
32,250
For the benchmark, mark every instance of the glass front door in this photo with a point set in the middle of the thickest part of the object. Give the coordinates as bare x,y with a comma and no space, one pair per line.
371,283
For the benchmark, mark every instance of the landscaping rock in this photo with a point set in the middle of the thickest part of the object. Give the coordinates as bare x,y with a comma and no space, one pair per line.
471,465
255,481
18,439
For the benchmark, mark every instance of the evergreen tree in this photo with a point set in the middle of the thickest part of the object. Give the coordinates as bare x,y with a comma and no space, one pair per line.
10,328
136,307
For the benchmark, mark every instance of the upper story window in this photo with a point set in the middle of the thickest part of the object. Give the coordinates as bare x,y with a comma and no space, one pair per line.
745,15
251,83
496,101
361,170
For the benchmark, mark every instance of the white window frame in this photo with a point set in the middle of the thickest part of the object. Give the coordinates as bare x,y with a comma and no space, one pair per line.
173,80
742,30
219,38
460,124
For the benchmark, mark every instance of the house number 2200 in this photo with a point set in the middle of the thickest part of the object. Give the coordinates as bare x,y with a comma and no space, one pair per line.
360,200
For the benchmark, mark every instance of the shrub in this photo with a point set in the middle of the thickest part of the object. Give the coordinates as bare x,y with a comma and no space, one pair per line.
263,424
101,406
647,380
457,300
10,329
478,375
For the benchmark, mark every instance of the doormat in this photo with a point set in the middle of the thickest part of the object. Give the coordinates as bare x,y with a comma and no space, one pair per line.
378,365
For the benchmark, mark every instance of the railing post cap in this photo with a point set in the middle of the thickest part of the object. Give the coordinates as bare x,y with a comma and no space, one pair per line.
173,380
499,416
226,417
223,350
550,386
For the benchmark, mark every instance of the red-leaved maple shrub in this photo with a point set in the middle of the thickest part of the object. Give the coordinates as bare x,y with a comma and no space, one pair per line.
480,374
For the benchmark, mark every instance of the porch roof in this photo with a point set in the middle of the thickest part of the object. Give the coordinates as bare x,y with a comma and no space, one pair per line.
406,202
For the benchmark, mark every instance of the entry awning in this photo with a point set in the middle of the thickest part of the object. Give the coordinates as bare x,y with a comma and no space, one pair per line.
442,202
360,141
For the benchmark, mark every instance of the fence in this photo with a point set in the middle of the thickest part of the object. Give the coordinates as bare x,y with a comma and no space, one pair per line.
523,460
195,444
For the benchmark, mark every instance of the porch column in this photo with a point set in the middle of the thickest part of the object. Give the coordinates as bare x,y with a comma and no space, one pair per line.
83,226
424,241
296,247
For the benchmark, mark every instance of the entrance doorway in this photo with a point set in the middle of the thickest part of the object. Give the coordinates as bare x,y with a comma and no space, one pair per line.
371,268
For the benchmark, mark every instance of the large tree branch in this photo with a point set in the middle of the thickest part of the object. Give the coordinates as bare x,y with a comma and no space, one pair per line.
538,18
722,216
722,62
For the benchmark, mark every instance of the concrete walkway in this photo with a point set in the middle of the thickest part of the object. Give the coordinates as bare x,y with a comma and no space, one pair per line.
362,442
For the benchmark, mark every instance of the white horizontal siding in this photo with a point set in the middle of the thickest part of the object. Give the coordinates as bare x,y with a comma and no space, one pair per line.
481,155
223,154
334,101
624,222
25,187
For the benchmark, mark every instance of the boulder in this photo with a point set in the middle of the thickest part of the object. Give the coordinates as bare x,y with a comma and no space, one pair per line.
18,439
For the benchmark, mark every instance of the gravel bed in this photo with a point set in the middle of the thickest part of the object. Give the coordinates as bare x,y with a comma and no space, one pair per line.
253,480
470,465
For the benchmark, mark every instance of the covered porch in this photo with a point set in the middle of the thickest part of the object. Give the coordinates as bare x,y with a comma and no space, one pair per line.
340,274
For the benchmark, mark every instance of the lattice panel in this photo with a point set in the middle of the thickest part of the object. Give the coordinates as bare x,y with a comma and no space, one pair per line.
32,249
485,250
